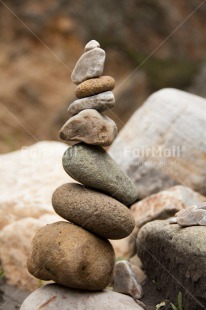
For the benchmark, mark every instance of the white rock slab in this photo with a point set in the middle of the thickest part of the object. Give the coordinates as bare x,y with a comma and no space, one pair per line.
15,242
55,297
28,178
164,143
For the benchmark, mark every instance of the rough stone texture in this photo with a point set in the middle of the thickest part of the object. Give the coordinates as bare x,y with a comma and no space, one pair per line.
93,211
175,258
28,179
164,204
89,65
100,102
55,297
71,256
95,86
157,206
92,166
164,143
15,242
194,215
91,127
91,44
125,280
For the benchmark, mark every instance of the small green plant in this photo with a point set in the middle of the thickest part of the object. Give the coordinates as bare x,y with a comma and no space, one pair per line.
179,302
163,304
40,283
120,258
1,274
159,306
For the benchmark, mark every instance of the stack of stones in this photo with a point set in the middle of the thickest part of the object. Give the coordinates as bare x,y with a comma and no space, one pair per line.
76,252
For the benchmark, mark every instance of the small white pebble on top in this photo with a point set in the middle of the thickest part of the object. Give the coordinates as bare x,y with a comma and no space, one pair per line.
91,44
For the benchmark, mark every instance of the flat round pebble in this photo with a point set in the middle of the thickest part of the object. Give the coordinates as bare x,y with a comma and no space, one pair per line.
95,86
71,256
100,102
94,211
92,166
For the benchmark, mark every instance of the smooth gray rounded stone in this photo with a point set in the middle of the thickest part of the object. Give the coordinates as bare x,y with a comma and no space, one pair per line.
92,166
58,297
91,44
100,102
91,127
89,65
93,211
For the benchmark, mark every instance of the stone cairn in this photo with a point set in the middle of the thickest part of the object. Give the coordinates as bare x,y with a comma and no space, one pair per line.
76,252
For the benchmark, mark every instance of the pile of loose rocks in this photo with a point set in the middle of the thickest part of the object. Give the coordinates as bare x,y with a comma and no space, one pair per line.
75,252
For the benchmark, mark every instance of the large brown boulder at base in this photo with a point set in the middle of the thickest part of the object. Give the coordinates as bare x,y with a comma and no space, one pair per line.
71,256
93,210
175,258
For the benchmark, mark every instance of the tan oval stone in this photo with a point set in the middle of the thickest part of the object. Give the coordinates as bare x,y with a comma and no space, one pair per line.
93,210
94,86
71,256
91,127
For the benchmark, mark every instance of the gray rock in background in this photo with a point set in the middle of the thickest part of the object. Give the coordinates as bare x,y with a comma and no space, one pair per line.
175,258
164,143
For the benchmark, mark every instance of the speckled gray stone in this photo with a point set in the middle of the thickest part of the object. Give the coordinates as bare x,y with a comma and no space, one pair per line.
91,44
93,211
91,127
89,65
100,102
92,166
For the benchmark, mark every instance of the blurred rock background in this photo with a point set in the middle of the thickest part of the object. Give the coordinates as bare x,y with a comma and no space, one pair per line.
40,41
